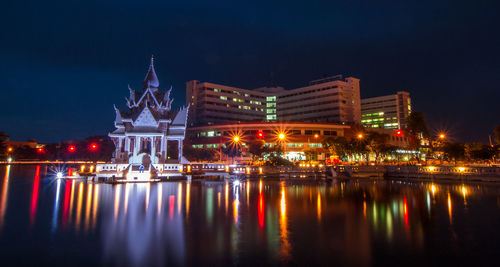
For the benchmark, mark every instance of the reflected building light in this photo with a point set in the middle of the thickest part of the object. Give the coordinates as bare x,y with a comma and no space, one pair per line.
218,200
146,201
95,206
125,202
261,211
318,207
285,243
71,202
428,203
260,186
34,196
464,193
3,199
388,219
171,203
405,210
117,201
236,204
364,209
88,206
450,208
179,198
248,192
56,206
433,189
79,205
226,196
209,205
159,198
67,192
374,211
188,198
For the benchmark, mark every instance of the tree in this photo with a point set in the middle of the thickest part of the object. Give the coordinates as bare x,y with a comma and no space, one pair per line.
416,128
478,151
497,134
3,144
454,151
256,148
337,145
377,143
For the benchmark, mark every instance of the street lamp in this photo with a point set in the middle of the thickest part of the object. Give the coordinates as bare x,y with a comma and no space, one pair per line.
442,136
236,139
360,136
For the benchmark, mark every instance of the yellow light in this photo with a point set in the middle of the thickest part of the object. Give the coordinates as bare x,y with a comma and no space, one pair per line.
432,168
461,169
281,136
10,149
321,165
360,136
316,136
433,189
260,170
464,191
82,168
189,168
236,139
442,136
91,168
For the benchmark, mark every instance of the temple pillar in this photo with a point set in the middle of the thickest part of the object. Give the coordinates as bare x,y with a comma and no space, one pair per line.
136,146
166,148
127,145
162,153
179,142
153,148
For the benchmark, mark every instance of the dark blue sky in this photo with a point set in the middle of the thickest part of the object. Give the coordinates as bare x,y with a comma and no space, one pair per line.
63,64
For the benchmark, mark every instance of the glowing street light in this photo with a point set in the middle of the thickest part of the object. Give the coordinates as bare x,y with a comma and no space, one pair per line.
316,135
281,136
9,149
360,136
442,136
236,139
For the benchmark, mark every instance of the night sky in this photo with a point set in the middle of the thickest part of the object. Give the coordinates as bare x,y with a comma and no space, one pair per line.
63,64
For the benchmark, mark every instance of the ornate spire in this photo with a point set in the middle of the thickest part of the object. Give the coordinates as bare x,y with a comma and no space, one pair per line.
151,80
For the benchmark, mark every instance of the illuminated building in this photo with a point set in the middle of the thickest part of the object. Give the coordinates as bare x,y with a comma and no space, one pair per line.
145,130
387,112
332,99
294,137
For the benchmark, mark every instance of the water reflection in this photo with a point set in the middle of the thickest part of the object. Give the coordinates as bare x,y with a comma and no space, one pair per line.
3,198
253,223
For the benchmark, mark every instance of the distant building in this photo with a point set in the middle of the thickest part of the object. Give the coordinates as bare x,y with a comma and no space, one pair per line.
332,99
386,112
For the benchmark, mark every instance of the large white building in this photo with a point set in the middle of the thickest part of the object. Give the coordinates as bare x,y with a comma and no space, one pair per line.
332,99
387,112
144,132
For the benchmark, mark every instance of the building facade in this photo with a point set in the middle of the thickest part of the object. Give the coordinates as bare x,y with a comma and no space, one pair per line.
294,137
386,112
333,99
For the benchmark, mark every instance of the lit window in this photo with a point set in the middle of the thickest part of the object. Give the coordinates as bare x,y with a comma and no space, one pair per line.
271,98
223,97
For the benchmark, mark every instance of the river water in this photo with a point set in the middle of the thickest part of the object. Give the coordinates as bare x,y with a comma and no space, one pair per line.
53,221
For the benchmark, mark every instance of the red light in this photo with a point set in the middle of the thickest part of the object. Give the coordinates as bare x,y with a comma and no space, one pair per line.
72,148
93,146
260,134
399,133
40,150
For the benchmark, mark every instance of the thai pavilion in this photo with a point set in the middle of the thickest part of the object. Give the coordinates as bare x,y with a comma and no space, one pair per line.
144,132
